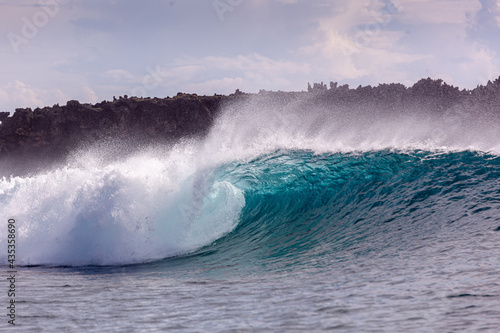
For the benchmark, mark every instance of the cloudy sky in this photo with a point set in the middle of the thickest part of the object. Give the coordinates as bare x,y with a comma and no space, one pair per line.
52,51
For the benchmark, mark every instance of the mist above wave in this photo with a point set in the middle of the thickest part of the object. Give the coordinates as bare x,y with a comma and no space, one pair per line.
114,203
342,119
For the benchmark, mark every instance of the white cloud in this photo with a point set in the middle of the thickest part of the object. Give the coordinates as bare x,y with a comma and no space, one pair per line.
18,94
182,73
494,10
481,65
3,96
253,63
85,51
225,74
89,95
22,94
224,85
370,42
357,43
438,11
119,75
334,56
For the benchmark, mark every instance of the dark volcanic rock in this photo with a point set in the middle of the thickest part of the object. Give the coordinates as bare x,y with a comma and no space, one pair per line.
56,130
49,134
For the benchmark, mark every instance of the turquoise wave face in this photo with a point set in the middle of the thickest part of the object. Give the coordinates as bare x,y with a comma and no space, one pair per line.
309,209
270,186
288,208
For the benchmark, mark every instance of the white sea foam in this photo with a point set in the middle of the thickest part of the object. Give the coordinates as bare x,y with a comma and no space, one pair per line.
104,208
139,209
256,127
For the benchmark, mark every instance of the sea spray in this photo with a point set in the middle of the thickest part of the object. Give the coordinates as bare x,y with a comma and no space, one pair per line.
145,207
259,125
105,207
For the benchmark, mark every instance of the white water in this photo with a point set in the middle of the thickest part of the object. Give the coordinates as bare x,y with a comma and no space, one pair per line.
146,207
105,209
255,127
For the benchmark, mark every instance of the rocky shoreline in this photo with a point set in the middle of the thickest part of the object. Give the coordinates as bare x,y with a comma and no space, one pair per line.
32,137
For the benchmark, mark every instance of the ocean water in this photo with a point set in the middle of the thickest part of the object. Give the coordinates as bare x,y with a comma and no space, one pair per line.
281,220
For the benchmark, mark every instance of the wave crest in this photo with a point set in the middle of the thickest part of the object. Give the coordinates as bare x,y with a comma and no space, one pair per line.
138,210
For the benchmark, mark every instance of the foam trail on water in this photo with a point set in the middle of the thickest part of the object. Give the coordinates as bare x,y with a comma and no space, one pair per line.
140,209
